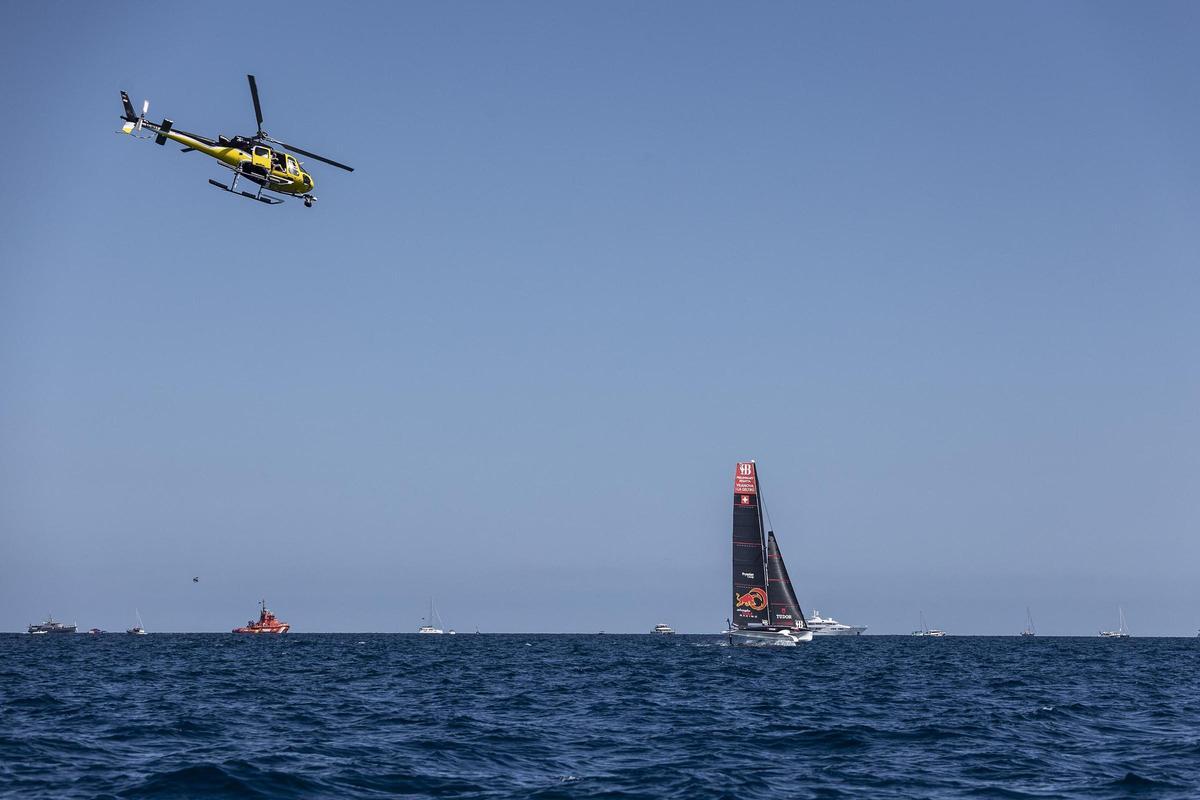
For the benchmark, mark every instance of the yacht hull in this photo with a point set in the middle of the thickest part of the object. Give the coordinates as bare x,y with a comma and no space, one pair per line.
779,638
848,630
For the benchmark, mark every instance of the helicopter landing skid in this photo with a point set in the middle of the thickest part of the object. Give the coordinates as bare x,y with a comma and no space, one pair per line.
273,201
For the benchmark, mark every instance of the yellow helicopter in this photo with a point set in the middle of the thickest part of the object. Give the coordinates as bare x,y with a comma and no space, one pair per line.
250,157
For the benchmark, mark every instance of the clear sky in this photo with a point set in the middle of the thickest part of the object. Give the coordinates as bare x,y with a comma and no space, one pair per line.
933,265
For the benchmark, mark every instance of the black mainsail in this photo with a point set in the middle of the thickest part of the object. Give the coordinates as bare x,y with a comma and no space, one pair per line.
751,602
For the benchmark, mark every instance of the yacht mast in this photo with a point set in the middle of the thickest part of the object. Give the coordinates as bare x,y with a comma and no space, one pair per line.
762,535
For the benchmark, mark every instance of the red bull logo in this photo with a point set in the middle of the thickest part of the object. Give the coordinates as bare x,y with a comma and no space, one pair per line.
755,599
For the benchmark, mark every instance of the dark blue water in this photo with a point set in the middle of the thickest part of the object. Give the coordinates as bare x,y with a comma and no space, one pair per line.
596,716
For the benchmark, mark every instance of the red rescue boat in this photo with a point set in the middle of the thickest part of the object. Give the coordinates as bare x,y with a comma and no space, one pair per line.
267,623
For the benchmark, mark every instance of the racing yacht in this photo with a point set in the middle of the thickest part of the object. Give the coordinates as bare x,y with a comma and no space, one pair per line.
765,608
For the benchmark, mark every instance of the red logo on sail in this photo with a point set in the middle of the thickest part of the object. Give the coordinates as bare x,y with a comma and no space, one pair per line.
755,600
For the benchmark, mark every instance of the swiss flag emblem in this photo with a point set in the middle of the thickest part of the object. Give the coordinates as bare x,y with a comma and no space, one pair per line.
745,499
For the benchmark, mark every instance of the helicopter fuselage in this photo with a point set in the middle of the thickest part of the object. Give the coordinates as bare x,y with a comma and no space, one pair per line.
275,170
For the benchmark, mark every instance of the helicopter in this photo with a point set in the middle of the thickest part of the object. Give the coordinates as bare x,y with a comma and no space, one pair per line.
251,158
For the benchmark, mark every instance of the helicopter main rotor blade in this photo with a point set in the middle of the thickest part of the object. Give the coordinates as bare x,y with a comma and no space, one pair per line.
328,161
257,107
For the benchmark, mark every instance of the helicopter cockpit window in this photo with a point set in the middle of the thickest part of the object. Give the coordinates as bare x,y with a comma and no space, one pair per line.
292,167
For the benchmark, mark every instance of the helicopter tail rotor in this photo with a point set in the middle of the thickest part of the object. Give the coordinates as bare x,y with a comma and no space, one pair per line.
131,115
133,120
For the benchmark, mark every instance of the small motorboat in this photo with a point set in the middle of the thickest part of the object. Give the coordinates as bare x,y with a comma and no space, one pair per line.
663,629
267,622
95,631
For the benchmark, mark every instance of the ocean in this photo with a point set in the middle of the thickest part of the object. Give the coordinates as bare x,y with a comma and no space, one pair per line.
603,716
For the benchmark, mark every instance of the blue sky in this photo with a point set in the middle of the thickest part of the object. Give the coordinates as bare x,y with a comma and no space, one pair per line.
934,266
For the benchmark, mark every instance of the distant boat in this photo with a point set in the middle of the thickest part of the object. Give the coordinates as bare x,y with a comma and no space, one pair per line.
429,627
267,622
50,626
95,631
1120,633
663,628
926,630
765,608
139,629
828,626
1029,629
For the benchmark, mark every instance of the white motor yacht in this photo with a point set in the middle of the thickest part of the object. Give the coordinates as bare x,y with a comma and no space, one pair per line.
663,628
828,626
50,626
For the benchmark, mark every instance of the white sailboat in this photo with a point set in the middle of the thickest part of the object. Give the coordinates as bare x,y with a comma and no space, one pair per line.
429,627
139,629
1029,629
765,608
926,630
1120,633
